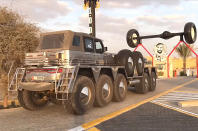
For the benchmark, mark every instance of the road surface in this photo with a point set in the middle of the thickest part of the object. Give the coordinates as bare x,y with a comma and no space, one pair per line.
54,117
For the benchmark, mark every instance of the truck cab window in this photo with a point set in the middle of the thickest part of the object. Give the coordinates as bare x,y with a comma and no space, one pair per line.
99,47
89,46
76,41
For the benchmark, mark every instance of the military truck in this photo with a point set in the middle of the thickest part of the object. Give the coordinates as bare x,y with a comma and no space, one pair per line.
75,69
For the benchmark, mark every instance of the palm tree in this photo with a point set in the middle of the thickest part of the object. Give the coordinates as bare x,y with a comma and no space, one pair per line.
184,52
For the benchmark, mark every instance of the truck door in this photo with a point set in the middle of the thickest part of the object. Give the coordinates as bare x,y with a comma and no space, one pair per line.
89,57
99,50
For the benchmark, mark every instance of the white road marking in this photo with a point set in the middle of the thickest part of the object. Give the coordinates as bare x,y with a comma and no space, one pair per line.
79,128
174,108
178,96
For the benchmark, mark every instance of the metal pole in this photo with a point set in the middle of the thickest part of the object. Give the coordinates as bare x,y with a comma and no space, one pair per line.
92,26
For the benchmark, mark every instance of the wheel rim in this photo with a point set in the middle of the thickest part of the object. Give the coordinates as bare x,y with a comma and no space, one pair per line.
146,83
85,95
134,40
193,33
140,62
130,63
105,91
122,88
154,80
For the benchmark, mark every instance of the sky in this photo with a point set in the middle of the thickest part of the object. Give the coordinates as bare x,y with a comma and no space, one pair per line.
113,19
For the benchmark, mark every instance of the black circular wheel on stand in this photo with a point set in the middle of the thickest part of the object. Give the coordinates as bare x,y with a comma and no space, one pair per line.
190,33
83,96
131,38
143,86
104,90
153,78
120,88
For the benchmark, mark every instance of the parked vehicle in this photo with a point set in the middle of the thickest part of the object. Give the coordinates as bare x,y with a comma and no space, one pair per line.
74,69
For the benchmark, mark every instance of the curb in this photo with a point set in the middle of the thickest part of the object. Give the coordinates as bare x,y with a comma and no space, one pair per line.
11,104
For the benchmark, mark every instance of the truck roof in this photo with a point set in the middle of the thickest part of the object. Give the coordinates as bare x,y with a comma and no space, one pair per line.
67,32
67,42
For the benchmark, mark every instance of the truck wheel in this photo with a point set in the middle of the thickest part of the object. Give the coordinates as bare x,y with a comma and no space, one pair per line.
120,88
20,99
125,58
83,95
143,86
139,62
153,81
31,100
104,90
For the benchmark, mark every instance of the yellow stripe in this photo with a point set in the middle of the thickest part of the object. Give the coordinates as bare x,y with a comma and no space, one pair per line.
176,109
93,129
193,92
114,114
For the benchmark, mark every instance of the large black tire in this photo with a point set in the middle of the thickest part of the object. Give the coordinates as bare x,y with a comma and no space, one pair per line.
120,88
78,102
190,33
104,96
125,58
143,86
153,81
31,100
130,35
20,99
139,62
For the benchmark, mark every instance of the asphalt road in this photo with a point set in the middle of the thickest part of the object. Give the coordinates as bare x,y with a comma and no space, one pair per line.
55,117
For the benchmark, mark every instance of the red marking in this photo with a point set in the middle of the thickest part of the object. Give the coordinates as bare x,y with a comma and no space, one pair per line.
45,70
197,66
168,66
145,50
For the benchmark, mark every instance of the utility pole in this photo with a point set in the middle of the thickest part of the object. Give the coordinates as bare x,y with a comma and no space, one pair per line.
92,4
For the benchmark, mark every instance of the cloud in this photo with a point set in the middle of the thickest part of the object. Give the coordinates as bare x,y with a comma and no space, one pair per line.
107,24
38,10
171,22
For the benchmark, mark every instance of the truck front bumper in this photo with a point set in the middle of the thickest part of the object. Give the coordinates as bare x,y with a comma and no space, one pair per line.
34,86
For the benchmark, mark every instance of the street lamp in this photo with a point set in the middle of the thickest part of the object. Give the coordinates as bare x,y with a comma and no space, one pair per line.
92,4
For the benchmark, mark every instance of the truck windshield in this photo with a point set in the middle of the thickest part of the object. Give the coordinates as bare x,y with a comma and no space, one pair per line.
52,41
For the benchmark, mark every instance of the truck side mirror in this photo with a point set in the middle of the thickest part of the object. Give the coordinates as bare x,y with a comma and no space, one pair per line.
105,49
